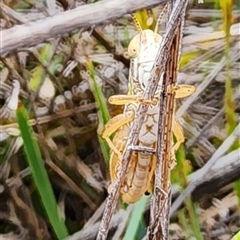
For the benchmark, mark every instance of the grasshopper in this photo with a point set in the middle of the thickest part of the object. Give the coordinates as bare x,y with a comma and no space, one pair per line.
139,177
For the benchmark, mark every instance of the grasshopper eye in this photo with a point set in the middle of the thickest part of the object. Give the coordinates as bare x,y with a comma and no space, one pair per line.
134,46
133,52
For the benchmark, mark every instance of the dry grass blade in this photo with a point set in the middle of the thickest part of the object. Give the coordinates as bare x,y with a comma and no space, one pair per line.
220,152
83,16
234,55
56,116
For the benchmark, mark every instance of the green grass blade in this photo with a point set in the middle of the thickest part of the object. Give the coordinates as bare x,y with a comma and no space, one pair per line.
231,118
146,19
188,217
39,175
135,218
237,236
98,95
37,78
103,113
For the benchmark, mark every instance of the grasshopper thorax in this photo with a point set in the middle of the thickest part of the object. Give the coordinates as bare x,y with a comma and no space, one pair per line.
142,50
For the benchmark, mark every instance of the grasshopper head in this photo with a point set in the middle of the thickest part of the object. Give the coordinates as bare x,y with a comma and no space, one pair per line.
142,50
144,45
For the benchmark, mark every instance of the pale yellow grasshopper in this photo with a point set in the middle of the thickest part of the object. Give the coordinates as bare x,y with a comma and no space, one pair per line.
139,177
132,160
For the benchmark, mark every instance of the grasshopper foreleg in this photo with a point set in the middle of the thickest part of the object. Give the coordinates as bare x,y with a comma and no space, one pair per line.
182,90
126,99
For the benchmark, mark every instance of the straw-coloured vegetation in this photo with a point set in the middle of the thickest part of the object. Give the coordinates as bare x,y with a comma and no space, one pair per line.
54,163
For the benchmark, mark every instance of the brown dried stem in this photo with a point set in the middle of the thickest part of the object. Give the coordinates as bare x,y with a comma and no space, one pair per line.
161,201
35,32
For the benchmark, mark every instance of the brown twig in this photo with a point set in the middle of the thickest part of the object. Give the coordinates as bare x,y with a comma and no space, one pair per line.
161,201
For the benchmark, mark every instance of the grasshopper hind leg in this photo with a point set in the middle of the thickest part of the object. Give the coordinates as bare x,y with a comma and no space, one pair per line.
113,125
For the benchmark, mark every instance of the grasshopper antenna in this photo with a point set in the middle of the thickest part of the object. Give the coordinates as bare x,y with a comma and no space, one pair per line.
160,17
136,22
